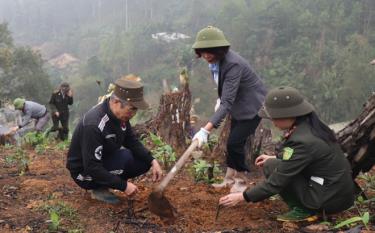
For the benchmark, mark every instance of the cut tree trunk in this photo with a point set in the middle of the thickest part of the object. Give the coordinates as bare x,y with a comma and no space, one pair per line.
172,121
357,139
260,142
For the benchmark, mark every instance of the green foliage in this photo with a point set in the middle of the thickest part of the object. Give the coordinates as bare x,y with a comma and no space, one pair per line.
33,139
55,221
320,47
361,205
20,159
21,70
61,209
348,222
58,212
212,141
64,145
162,151
40,149
369,181
204,171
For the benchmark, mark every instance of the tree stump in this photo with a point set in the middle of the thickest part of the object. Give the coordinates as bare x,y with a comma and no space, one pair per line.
172,121
219,152
255,144
357,139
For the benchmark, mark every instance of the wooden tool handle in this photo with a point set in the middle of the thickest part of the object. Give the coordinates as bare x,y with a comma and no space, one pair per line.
185,156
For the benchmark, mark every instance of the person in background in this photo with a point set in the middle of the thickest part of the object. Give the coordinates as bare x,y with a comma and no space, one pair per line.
309,171
241,94
30,110
59,102
104,153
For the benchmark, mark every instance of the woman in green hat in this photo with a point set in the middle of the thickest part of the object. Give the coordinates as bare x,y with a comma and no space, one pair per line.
241,94
309,170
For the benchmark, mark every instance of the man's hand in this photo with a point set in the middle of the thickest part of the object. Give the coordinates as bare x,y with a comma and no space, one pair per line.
131,189
57,114
13,130
70,93
231,199
261,159
201,136
157,173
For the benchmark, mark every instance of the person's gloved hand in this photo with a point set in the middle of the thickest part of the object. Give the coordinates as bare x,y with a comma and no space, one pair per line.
201,136
217,105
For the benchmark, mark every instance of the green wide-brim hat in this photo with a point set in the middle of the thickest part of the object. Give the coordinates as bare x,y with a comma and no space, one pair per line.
285,102
210,37
19,103
132,92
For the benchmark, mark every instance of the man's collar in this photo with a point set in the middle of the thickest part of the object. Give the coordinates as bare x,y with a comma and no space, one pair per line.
108,110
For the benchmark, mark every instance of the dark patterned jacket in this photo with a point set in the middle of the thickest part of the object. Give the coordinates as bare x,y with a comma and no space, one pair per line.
59,103
99,134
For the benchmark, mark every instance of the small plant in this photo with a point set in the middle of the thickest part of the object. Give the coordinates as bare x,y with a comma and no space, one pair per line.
20,159
204,171
63,145
162,151
369,181
33,138
361,205
365,218
212,141
54,221
61,211
40,149
8,146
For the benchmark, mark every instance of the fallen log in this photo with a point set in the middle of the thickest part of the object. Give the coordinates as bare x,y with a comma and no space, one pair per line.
357,139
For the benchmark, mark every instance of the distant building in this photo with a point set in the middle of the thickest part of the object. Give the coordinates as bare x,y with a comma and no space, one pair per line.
168,37
64,61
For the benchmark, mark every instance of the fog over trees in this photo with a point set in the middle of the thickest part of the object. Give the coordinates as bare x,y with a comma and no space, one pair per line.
321,47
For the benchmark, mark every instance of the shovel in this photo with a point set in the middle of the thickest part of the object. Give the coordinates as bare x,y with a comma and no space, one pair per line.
157,202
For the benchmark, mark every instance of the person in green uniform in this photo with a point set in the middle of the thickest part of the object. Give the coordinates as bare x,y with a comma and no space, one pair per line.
309,170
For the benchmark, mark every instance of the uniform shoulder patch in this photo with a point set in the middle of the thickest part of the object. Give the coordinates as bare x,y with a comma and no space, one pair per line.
287,153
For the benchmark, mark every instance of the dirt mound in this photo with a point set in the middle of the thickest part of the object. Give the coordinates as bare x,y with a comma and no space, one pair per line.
26,204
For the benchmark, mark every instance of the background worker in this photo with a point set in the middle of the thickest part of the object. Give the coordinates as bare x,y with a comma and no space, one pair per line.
30,110
59,102
309,171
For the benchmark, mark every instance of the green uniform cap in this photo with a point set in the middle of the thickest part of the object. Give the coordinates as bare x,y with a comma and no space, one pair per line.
285,102
210,37
18,103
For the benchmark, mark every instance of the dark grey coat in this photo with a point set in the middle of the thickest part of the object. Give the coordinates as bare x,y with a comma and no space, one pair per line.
240,90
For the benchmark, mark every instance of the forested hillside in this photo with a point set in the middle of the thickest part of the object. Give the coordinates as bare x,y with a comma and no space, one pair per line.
321,47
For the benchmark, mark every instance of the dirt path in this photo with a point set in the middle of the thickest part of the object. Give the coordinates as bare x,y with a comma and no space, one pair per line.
26,201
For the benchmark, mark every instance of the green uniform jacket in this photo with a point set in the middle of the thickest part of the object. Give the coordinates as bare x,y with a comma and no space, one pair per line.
306,155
